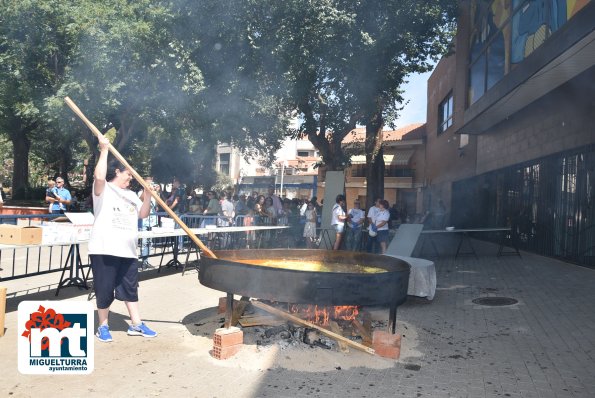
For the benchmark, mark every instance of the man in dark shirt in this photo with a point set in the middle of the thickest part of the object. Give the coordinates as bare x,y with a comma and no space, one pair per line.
177,198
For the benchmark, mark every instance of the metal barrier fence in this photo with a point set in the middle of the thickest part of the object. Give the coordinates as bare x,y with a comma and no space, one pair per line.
18,263
291,237
548,202
21,262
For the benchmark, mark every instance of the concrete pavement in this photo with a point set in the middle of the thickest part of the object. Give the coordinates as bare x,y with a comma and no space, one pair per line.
543,346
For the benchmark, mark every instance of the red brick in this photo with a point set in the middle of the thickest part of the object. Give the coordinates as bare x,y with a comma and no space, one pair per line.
386,338
226,352
387,351
224,337
386,344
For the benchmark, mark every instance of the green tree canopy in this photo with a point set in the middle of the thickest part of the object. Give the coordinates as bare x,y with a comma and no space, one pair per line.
343,63
175,78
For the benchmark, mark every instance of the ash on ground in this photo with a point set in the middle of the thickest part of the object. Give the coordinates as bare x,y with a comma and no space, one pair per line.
284,347
296,336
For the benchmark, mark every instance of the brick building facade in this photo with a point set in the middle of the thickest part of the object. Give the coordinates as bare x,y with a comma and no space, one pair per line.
511,124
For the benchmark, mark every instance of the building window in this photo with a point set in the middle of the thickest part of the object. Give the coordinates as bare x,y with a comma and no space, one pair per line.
505,32
224,163
445,114
358,170
303,153
391,170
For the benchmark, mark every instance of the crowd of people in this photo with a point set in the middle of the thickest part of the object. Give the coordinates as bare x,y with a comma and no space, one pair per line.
354,228
120,213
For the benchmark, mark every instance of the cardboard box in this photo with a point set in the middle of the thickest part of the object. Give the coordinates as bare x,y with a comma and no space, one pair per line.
19,235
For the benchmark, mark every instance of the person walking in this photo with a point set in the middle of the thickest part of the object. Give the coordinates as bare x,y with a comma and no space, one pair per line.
112,245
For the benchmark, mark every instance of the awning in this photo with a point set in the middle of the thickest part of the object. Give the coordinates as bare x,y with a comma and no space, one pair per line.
400,158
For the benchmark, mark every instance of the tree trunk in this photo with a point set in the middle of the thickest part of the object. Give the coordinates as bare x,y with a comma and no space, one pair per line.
374,159
63,165
20,175
88,173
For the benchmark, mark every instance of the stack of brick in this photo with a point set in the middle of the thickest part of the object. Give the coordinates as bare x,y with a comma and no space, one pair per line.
386,344
227,342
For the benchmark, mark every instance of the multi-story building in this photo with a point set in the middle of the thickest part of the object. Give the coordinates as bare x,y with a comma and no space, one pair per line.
511,124
404,160
293,173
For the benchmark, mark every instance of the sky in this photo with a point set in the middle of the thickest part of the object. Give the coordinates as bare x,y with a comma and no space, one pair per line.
415,91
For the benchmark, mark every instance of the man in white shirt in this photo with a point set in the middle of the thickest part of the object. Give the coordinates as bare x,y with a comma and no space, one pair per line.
355,217
226,218
381,222
227,211
372,212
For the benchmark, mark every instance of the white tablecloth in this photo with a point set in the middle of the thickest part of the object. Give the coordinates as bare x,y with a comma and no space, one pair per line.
422,278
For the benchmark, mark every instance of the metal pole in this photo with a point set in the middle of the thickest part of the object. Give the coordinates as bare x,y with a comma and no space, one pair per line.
282,173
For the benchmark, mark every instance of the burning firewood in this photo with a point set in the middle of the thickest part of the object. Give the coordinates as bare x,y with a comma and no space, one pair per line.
320,329
335,328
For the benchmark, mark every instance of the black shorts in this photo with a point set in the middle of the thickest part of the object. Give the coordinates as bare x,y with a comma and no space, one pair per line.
382,236
114,277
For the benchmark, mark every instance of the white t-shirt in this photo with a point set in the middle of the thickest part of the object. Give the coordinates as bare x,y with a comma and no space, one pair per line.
303,209
337,211
372,212
115,229
227,211
382,215
355,216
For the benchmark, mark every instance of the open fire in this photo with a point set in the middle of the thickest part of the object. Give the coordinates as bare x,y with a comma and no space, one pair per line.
322,315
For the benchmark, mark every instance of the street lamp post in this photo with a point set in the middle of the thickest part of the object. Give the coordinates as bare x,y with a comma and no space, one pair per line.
282,173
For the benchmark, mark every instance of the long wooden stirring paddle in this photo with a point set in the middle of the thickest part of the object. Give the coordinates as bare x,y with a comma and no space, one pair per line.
140,180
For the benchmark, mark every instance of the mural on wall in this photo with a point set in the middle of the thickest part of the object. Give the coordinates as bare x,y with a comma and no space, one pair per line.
489,61
505,32
573,6
533,23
